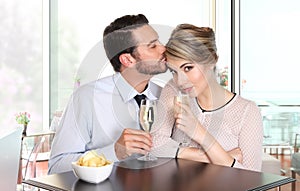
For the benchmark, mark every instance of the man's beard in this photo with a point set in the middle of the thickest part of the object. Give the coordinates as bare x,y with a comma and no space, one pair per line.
151,67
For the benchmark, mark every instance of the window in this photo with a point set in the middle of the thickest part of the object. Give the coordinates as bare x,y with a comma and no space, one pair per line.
269,40
223,40
21,61
29,64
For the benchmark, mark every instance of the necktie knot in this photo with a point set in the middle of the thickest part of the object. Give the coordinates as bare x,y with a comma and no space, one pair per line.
138,98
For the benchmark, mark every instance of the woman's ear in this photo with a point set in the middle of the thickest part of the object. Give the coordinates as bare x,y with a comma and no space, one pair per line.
214,62
126,59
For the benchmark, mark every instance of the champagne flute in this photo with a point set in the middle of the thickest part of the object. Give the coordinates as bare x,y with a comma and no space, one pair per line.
146,117
183,99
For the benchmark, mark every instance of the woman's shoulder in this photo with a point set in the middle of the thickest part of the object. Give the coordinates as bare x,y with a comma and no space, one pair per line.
245,103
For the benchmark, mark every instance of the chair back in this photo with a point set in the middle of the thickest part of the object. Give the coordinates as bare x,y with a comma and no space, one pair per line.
10,149
295,164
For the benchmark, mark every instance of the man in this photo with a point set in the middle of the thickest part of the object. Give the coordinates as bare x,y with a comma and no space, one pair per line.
102,115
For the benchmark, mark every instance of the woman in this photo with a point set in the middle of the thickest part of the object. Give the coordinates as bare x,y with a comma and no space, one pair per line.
216,119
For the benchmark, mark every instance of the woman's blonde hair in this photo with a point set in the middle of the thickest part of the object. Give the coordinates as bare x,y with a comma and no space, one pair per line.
189,42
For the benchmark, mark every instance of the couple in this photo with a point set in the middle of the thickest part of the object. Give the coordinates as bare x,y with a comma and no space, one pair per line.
224,128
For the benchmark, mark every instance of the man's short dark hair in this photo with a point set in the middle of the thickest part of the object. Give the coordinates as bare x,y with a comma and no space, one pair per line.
118,38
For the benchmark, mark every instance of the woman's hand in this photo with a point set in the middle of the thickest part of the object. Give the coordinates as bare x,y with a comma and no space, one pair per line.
187,122
237,154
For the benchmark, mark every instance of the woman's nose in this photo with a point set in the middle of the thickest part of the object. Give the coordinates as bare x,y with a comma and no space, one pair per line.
181,79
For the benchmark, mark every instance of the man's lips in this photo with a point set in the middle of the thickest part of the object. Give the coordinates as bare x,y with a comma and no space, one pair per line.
164,60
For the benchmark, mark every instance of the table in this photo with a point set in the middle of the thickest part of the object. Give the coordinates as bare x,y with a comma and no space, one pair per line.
166,175
277,146
40,134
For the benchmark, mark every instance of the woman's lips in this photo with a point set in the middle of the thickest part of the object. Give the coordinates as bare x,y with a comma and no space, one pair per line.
187,90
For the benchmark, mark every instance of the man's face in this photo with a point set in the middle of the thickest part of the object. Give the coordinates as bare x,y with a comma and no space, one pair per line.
149,54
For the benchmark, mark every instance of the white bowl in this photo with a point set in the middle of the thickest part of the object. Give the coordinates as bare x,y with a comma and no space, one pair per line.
92,174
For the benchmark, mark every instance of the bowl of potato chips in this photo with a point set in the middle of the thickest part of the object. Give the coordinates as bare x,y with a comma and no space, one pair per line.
92,167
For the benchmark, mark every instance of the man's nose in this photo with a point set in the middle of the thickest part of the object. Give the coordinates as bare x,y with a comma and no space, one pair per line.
162,48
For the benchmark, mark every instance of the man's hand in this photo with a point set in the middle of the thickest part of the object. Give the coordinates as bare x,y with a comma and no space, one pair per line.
133,141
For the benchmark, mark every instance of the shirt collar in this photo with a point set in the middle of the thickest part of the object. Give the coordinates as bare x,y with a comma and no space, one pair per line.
127,92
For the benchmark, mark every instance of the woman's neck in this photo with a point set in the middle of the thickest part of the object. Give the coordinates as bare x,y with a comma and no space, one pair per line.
214,98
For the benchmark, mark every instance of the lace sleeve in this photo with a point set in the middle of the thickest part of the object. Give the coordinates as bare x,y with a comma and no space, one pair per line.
251,137
162,127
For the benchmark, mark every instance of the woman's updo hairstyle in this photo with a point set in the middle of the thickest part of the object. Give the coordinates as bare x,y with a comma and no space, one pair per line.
193,43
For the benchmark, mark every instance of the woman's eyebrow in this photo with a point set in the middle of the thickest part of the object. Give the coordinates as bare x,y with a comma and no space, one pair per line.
184,64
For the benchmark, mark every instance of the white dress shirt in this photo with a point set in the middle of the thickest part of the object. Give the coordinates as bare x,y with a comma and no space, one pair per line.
94,118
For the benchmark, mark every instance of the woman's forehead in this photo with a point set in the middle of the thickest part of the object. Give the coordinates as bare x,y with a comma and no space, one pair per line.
173,62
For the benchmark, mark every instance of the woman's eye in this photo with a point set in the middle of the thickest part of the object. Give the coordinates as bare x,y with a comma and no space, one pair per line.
188,68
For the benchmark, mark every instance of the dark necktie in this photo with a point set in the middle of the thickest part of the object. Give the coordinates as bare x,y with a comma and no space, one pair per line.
138,98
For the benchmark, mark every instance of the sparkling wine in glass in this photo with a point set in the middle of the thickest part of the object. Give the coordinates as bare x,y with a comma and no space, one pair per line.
184,99
147,115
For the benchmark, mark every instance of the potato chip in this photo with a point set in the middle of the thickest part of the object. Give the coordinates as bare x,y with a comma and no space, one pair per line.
92,159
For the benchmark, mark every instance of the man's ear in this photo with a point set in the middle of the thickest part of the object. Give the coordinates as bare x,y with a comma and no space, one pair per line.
126,59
